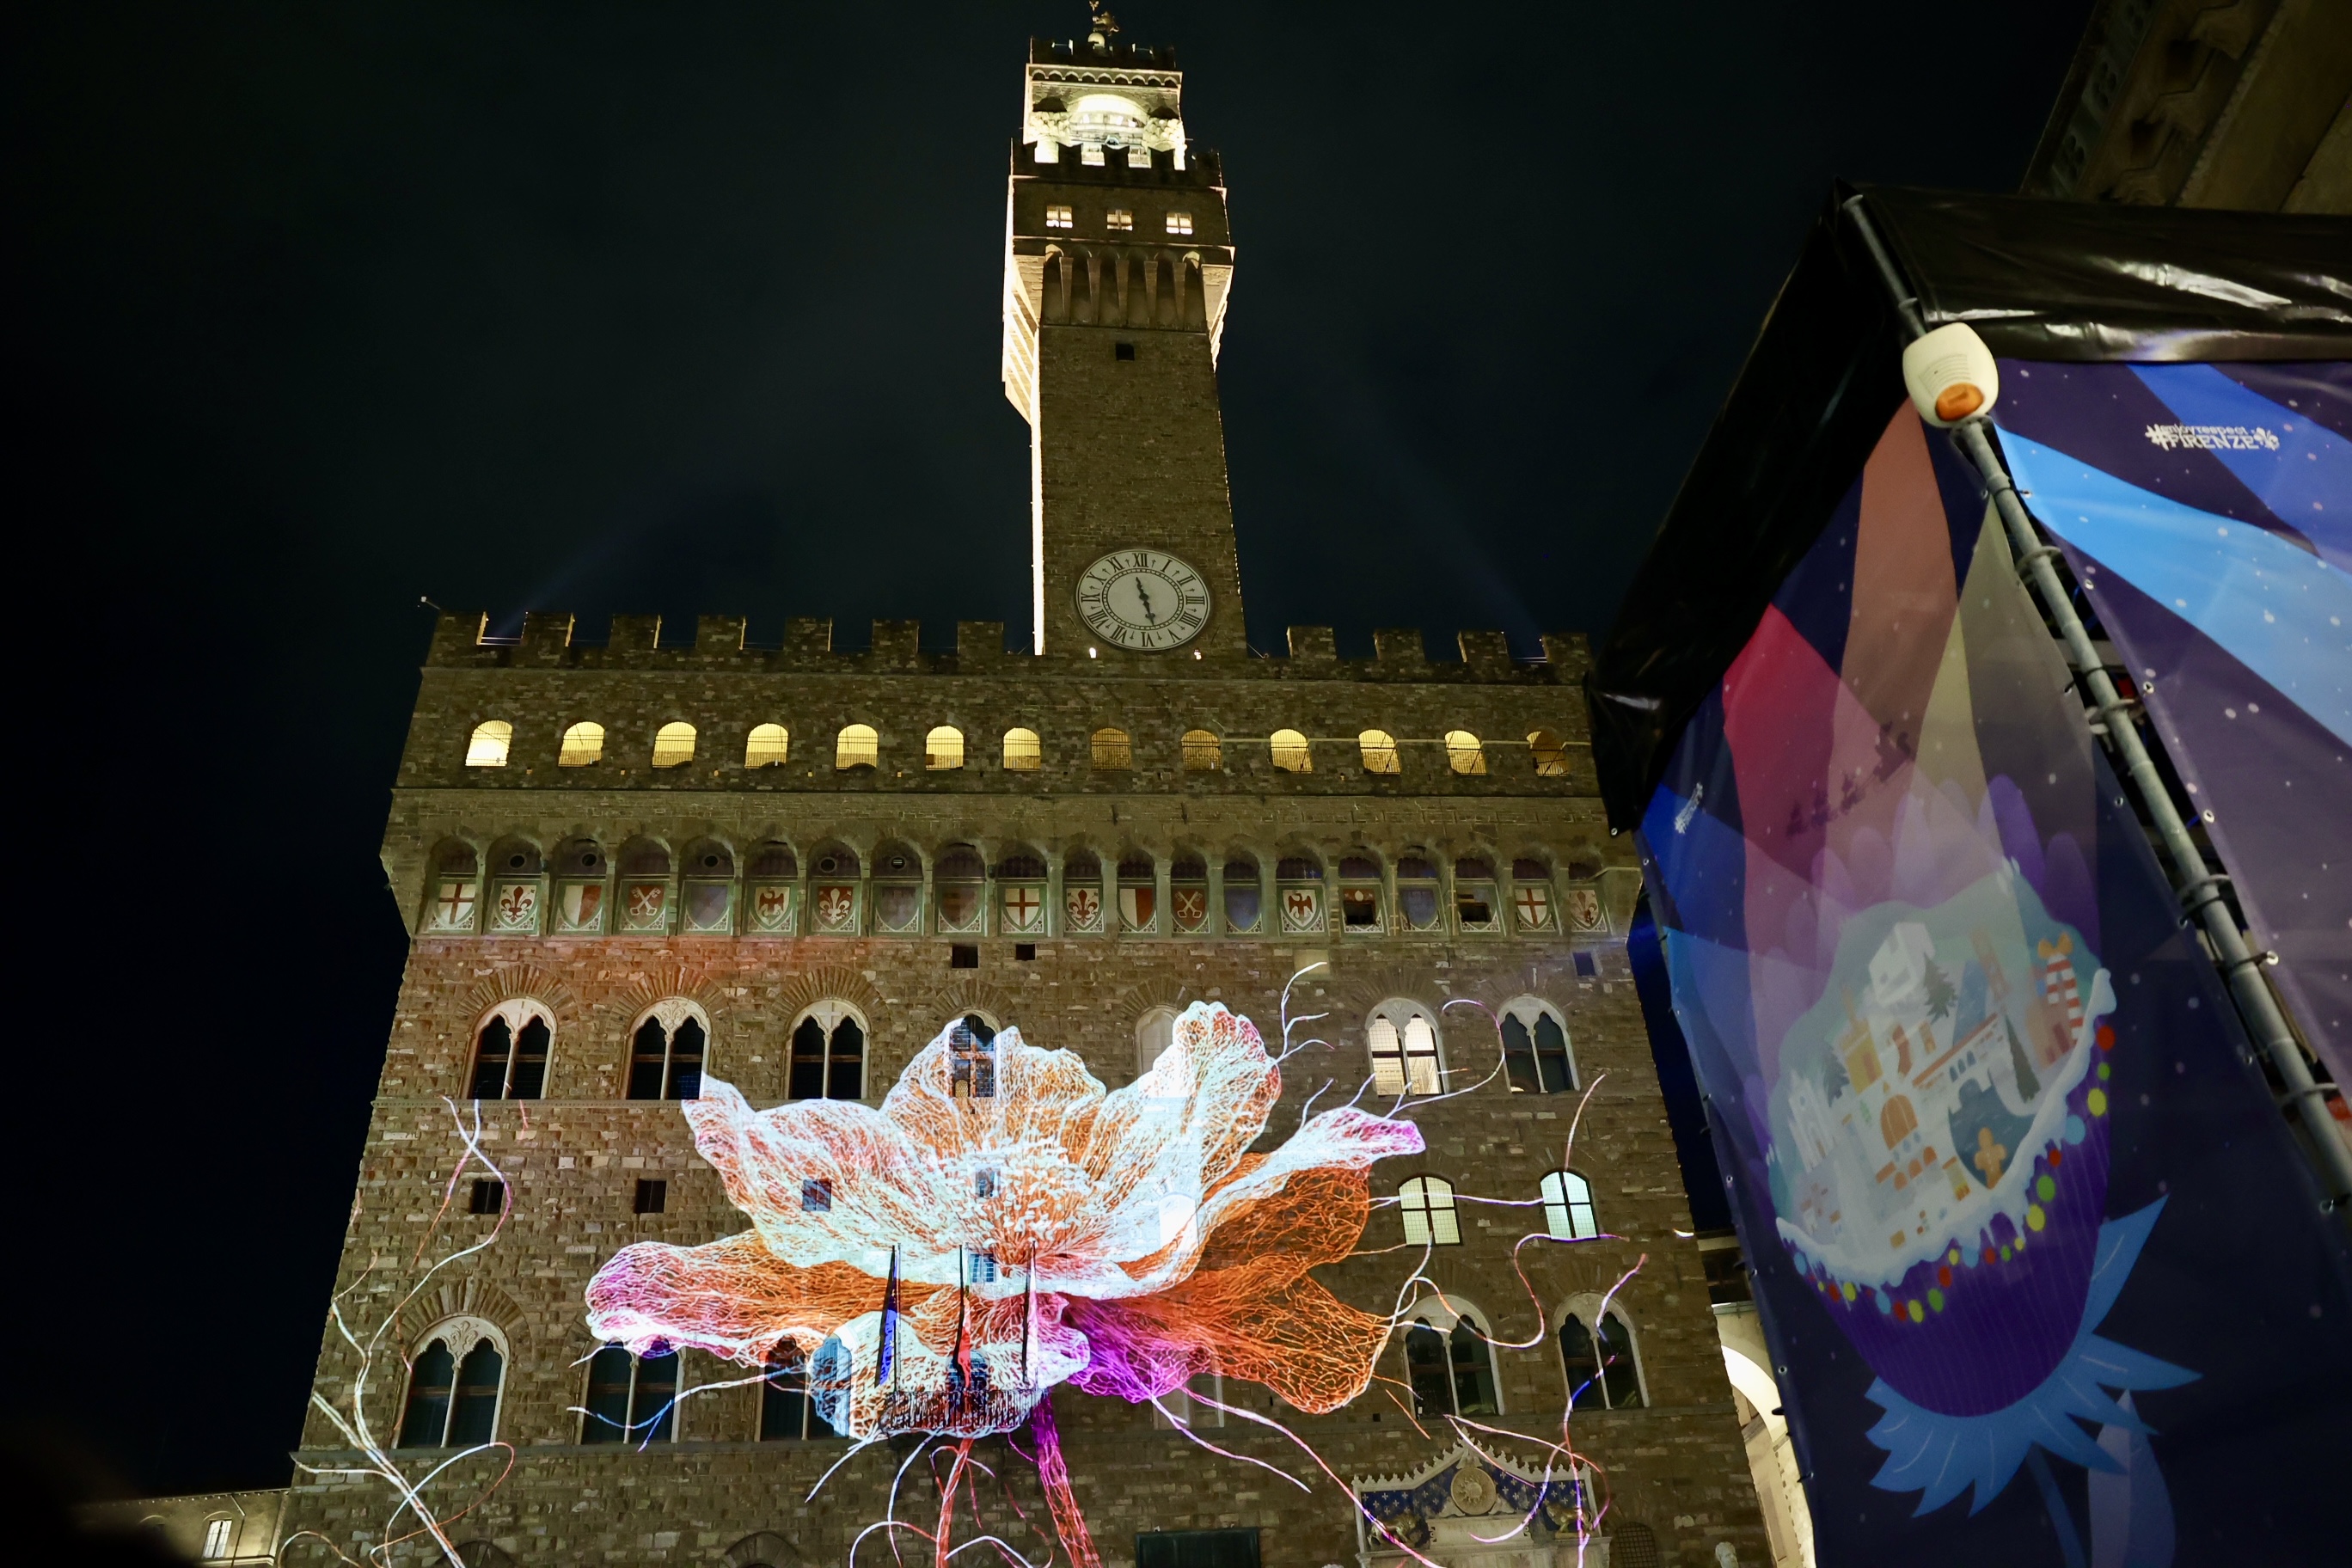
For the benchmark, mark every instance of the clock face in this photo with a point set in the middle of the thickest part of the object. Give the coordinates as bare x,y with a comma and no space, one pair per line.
1143,599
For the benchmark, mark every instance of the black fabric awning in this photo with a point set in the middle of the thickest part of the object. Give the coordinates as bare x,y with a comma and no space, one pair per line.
2037,279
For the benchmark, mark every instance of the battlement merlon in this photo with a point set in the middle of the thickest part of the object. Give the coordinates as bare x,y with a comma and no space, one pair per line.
551,640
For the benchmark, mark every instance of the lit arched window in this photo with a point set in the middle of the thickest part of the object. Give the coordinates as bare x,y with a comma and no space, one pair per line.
767,746
1452,1374
666,1052
1568,1207
1898,1122
1023,753
674,744
1464,755
828,1054
453,1388
1379,752
1403,1036
943,748
456,889
858,746
1291,752
787,1412
1154,1033
1203,753
488,749
1603,1371
631,1399
1426,1204
584,746
1113,751
1359,895
1535,1055
511,1052
1551,754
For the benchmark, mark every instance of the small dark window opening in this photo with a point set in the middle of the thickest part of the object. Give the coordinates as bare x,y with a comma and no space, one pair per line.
1196,1548
489,1196
1024,952
963,955
653,1196
816,1195
1585,968
1122,351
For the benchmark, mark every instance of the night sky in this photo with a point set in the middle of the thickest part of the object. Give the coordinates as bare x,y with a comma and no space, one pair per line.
314,309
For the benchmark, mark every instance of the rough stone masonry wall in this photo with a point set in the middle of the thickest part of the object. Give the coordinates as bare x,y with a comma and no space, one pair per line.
574,1157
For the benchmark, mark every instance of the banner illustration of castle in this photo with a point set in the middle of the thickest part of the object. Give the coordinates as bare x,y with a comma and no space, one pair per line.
2049,1282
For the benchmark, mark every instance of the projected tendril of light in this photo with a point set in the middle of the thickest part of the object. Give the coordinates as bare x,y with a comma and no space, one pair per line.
1002,1224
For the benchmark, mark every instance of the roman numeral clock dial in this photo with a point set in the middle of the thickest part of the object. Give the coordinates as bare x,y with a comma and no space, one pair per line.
1147,600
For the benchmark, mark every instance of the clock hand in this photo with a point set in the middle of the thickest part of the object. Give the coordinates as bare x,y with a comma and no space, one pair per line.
1145,598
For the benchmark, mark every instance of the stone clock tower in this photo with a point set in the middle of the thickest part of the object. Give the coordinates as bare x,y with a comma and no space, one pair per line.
1117,264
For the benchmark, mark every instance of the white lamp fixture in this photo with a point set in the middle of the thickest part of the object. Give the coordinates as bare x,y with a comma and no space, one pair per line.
1950,375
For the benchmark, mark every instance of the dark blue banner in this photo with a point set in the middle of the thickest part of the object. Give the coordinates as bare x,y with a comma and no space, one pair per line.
2047,1279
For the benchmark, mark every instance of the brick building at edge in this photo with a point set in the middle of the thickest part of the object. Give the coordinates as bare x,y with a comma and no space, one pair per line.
629,865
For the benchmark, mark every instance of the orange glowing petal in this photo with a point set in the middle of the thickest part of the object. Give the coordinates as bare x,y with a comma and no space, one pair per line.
732,1298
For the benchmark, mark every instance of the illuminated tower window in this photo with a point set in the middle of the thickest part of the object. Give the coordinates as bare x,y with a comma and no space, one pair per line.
1568,1206
584,746
1057,217
488,749
1120,219
1426,1204
1180,223
674,744
1403,1038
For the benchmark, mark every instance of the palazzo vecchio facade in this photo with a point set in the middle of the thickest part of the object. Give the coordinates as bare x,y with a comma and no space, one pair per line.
634,864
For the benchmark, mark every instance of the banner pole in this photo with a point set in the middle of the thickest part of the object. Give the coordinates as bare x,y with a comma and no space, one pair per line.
2199,889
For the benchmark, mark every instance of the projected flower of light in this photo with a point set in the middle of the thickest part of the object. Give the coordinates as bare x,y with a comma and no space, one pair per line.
1001,1224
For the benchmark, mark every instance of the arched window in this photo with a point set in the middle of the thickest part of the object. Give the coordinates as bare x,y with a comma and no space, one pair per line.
510,1051
1426,1205
1187,894
1602,1366
1568,1206
631,1399
1535,1055
1154,1033
488,749
943,748
1533,910
767,746
666,1052
833,890
787,1413
959,880
1291,752
584,745
1425,1369
1473,894
771,893
1417,902
456,889
674,744
1379,752
1450,1364
1023,753
1244,898
897,889
1082,893
1203,753
971,1058
1359,895
1403,1036
1898,1122
1549,753
1020,892
1139,892
1113,751
858,746
1465,754
453,1388
644,886
1298,892
579,865
709,899
828,1054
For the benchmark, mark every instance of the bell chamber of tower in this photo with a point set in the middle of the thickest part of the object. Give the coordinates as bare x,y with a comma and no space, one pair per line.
1118,261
